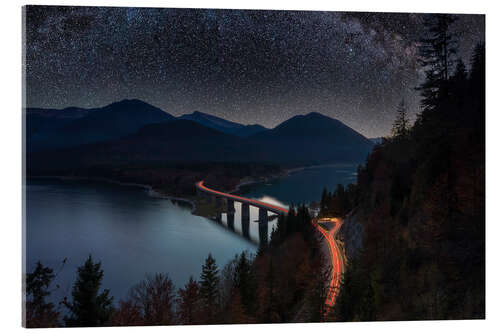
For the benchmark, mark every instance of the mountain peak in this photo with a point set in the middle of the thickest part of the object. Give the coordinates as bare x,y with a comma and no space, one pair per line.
223,125
314,114
130,102
312,119
317,115
136,106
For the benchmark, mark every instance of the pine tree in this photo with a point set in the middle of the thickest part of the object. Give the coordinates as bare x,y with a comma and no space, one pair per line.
39,313
478,87
459,86
437,57
401,125
89,307
323,202
478,68
209,289
245,282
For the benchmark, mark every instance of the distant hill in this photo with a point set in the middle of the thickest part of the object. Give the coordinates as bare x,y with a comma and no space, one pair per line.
223,125
172,141
301,140
40,120
313,139
66,113
181,140
71,127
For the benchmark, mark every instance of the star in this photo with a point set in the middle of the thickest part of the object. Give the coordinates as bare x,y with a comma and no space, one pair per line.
246,66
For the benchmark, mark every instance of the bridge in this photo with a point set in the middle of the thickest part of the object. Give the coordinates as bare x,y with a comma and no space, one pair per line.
336,265
264,208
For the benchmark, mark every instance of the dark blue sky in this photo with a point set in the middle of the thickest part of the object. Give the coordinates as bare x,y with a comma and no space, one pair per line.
246,66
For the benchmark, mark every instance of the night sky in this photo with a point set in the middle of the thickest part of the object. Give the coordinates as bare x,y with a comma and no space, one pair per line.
246,66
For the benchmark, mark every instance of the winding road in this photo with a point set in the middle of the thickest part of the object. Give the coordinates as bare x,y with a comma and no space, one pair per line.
332,226
328,227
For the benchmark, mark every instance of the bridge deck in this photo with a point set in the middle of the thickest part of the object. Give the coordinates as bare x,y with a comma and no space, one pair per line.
256,203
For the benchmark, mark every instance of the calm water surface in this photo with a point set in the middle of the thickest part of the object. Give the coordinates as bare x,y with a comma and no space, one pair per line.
134,234
302,186
131,233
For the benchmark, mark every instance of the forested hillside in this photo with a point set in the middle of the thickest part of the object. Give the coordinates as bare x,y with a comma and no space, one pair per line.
420,199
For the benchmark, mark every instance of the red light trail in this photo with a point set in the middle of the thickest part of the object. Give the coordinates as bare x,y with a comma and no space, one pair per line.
242,199
334,284
335,254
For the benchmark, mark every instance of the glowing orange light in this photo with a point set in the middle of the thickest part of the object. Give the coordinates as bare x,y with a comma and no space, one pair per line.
334,284
241,199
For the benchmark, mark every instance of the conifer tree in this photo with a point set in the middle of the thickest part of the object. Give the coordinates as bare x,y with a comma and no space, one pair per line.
89,307
401,124
437,57
39,313
245,282
323,202
478,86
209,288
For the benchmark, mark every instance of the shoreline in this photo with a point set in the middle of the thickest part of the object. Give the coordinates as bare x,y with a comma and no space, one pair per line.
150,190
318,166
286,173
157,194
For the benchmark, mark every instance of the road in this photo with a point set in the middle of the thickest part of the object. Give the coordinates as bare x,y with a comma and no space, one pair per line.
328,227
256,203
332,226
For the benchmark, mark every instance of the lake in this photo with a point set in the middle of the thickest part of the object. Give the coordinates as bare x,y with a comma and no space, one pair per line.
133,234
302,186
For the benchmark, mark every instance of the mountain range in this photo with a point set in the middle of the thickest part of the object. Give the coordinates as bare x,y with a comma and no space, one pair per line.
134,132
223,125
49,129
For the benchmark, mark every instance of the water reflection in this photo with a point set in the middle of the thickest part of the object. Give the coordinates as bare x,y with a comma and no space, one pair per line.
302,186
244,220
131,233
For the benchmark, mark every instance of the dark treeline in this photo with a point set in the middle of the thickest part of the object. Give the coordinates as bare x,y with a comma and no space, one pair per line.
339,202
283,282
175,179
420,198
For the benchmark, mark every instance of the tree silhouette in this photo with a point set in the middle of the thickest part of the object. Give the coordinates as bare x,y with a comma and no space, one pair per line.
401,125
128,314
155,296
89,307
245,283
209,281
437,57
188,303
39,313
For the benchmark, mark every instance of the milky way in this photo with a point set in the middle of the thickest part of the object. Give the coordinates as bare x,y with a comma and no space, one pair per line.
246,66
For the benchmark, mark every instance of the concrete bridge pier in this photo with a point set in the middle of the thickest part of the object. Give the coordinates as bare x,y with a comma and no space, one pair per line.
230,205
230,220
218,217
245,219
263,233
263,218
263,226
245,211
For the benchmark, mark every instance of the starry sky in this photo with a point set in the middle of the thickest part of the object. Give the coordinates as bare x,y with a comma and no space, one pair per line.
246,66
